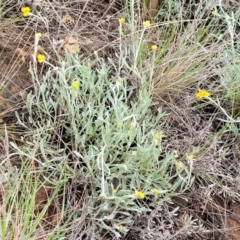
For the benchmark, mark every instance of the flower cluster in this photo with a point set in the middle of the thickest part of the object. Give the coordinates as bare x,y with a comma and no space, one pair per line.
75,84
179,164
139,194
119,124
154,47
25,11
214,12
120,227
157,136
146,23
190,156
202,93
156,191
38,35
41,58
121,20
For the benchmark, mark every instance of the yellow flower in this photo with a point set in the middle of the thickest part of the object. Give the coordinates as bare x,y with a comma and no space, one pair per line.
154,47
214,12
114,191
41,58
157,136
129,132
179,164
132,125
202,93
119,124
30,70
25,11
95,52
139,194
134,153
121,20
156,191
146,23
120,227
103,197
190,156
119,82
38,35
75,84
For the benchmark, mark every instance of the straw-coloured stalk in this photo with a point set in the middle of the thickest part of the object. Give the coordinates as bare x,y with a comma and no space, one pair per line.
150,7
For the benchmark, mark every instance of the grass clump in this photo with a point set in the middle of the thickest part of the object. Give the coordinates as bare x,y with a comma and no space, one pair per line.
27,194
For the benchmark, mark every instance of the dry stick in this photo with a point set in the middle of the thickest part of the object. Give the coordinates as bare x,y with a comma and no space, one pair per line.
6,145
33,165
